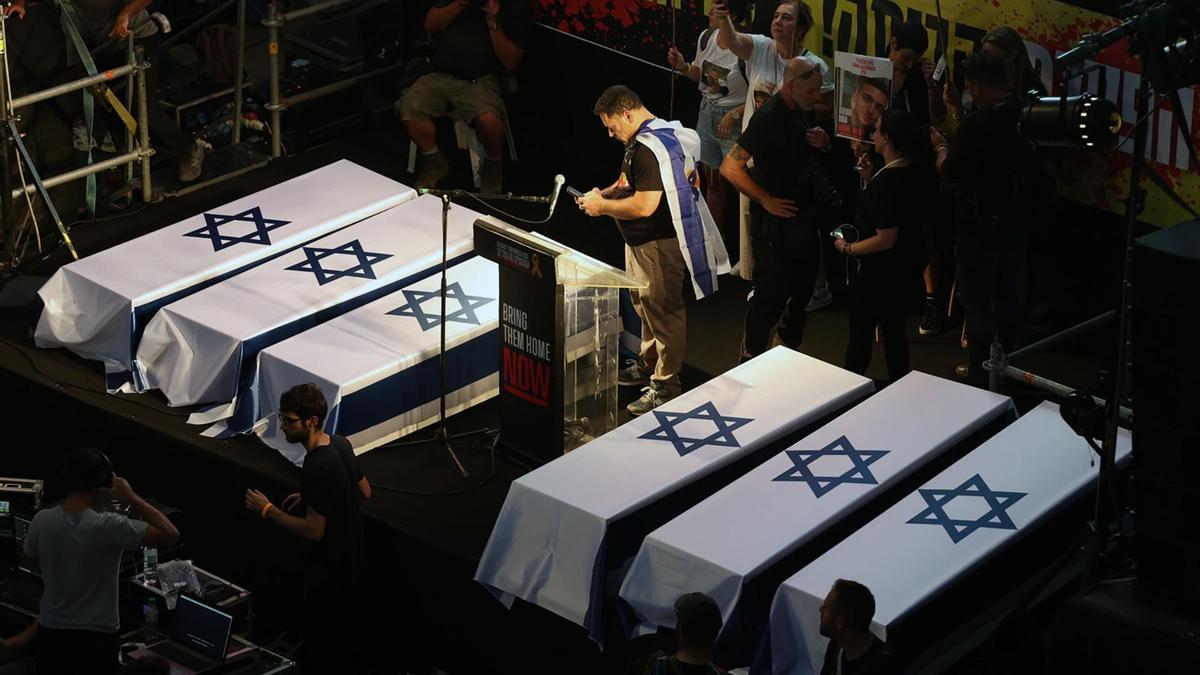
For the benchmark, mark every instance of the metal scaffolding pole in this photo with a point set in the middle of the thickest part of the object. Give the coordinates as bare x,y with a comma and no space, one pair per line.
143,127
273,22
68,87
314,9
129,84
96,167
239,77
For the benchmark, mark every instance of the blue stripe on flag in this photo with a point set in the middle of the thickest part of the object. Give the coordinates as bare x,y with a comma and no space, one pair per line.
418,384
689,215
142,314
246,408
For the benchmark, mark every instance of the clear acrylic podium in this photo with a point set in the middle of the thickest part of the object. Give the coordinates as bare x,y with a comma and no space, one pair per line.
560,326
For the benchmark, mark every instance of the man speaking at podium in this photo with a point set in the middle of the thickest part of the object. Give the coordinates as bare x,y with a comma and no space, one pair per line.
667,230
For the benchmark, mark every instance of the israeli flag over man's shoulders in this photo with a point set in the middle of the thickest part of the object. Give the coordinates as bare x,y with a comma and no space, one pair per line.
677,149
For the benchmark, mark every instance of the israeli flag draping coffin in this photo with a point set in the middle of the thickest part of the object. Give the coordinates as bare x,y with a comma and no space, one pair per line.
939,533
726,541
558,533
202,349
378,366
98,306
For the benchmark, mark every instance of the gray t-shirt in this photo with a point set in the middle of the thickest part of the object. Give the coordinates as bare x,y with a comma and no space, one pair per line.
97,18
80,559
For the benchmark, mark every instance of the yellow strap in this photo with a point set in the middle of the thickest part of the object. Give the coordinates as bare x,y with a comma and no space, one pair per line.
118,107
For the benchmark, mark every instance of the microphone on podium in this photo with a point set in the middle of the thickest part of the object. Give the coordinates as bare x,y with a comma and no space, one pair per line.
559,181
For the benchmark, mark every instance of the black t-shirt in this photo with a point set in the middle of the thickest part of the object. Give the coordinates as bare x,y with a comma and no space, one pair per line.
877,660
329,485
464,49
895,197
785,165
987,164
914,97
640,172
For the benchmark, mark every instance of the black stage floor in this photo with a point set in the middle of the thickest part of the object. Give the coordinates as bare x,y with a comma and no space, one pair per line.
426,526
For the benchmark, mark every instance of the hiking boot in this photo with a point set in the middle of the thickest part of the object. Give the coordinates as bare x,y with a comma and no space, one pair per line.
652,397
491,176
191,164
433,169
933,320
821,297
633,375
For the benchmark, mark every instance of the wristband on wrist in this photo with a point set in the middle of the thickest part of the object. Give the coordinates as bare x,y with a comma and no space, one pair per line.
265,509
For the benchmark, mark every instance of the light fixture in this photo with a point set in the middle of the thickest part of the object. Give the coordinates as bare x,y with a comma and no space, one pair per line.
1080,121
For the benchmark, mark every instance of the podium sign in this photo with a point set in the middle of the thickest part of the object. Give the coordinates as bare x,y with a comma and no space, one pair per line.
559,327
531,341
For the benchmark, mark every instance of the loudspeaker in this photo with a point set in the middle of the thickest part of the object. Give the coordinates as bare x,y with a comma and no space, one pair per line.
1166,393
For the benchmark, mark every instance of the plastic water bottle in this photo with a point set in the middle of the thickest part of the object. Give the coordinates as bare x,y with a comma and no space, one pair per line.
150,566
150,618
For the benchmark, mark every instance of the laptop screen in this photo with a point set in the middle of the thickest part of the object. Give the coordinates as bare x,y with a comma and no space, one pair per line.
6,523
202,628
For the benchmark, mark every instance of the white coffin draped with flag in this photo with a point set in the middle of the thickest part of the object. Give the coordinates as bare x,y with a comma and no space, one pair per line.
722,544
98,306
569,526
203,348
936,535
378,366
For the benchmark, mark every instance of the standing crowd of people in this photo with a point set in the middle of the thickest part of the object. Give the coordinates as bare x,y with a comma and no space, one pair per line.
944,169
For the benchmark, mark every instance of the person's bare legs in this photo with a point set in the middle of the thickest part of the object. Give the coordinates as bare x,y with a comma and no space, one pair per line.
490,130
423,134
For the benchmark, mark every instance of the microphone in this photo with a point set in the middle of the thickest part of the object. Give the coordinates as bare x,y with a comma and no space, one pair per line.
558,185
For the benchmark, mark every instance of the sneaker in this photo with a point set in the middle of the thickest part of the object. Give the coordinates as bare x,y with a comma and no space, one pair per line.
192,163
821,297
633,375
80,138
433,169
933,320
107,144
491,176
652,397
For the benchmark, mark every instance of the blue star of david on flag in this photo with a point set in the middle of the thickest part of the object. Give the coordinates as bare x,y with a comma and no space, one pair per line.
996,518
214,221
464,314
722,437
363,270
859,472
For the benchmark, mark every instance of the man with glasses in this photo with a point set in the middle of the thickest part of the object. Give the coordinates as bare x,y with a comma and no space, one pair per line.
331,488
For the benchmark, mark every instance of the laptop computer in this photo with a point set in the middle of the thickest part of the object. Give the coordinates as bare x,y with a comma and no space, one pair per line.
200,641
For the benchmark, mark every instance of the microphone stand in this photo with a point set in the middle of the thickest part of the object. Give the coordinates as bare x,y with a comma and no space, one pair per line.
442,433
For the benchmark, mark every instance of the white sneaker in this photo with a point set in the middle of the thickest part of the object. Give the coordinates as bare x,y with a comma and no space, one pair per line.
652,397
821,297
80,139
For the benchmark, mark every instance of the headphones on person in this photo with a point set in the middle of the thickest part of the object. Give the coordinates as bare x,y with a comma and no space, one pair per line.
88,469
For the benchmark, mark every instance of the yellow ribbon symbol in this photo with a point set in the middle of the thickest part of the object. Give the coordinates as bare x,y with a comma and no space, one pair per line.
535,265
